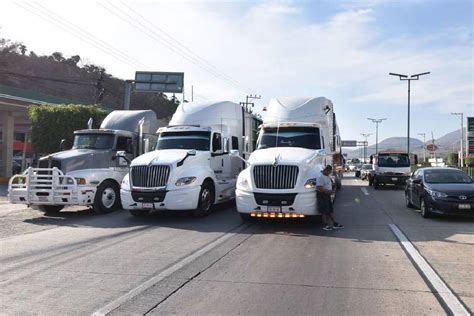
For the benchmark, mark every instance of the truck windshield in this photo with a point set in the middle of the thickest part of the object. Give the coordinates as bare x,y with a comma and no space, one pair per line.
184,140
304,137
94,141
393,161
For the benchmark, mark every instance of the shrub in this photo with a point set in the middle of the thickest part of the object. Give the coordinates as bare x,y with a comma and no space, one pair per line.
453,159
52,122
469,161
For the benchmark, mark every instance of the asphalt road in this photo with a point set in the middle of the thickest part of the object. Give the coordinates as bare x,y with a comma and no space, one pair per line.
81,263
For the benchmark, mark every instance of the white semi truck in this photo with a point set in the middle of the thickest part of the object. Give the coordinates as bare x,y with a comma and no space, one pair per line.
391,167
191,168
89,174
298,138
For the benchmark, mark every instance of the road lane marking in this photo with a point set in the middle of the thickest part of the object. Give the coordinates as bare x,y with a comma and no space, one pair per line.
444,292
167,272
364,190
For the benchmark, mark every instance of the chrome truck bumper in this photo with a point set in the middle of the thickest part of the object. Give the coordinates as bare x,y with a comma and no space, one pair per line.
48,186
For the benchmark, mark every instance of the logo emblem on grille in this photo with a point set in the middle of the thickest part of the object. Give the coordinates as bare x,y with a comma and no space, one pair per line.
277,160
463,197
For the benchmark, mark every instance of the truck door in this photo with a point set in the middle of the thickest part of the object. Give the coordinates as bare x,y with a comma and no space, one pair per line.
217,155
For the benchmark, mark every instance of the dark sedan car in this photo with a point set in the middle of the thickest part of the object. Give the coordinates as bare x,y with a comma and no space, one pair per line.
440,191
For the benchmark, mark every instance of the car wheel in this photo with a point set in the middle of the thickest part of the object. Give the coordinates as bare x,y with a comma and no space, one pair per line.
425,210
206,199
50,209
140,213
407,200
107,198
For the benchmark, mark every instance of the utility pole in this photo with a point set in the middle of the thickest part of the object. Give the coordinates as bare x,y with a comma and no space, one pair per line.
405,78
247,104
462,135
424,146
376,121
365,145
128,90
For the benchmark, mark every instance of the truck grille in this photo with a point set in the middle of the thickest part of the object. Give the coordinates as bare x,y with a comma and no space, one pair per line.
150,176
275,177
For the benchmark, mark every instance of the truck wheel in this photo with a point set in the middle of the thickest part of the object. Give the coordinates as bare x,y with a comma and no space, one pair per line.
371,181
50,209
245,217
140,213
107,198
206,199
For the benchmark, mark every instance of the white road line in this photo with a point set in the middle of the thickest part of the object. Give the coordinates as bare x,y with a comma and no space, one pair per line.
364,190
451,301
159,277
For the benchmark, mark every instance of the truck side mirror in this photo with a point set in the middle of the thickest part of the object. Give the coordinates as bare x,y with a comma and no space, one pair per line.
234,153
62,145
416,159
123,159
371,159
129,147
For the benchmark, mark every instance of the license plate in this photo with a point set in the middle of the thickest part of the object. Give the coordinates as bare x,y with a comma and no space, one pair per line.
148,206
394,179
43,198
274,209
464,206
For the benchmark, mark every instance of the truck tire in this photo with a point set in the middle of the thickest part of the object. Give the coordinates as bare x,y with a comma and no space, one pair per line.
376,184
140,213
245,217
371,181
50,209
206,199
107,198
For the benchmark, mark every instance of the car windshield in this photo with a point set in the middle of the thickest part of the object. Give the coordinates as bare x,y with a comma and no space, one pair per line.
446,176
304,137
366,167
184,140
94,141
393,161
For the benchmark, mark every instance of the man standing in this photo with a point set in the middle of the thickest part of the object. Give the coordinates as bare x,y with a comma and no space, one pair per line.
323,195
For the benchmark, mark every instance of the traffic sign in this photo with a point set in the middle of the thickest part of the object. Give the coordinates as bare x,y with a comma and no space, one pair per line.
152,81
349,143
431,147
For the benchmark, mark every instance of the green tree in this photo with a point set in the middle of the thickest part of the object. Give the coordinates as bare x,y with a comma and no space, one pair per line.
452,159
50,123
469,161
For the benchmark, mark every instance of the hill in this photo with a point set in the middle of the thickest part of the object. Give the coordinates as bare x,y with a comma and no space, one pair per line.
67,77
446,144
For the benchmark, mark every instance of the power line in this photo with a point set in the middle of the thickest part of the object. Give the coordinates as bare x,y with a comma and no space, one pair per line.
156,37
54,21
88,35
178,43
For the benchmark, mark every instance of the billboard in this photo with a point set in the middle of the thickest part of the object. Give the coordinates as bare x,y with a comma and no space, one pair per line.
349,143
153,81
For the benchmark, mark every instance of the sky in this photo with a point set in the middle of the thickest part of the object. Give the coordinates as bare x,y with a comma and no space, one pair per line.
342,50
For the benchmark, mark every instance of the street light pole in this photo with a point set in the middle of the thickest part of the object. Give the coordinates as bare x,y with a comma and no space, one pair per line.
424,145
365,145
405,78
376,121
462,135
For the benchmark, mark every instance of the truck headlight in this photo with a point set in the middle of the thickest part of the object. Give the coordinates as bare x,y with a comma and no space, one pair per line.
125,183
185,181
243,183
80,181
437,194
310,183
